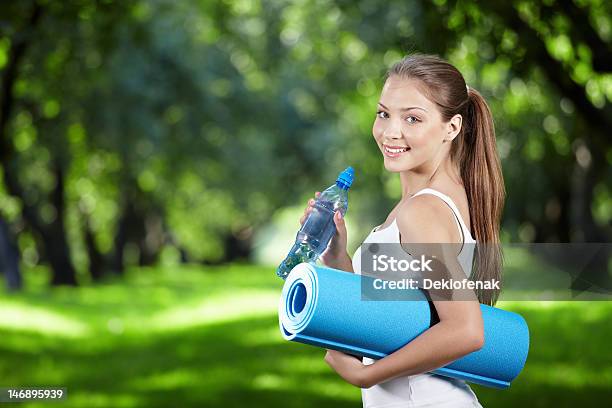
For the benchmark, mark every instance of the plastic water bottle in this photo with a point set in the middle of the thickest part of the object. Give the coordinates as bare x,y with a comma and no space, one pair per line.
319,227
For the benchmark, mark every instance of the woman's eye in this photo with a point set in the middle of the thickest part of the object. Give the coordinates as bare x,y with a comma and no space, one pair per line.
412,119
381,114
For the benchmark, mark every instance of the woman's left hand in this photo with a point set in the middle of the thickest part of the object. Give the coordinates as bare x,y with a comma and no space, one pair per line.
348,367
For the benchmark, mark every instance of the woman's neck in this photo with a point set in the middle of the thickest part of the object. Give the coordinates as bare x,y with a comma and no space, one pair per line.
427,175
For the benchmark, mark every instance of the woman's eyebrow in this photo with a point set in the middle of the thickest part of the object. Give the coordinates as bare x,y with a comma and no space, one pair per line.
405,109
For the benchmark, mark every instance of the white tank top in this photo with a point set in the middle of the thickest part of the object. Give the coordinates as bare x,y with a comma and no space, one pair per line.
421,389
391,234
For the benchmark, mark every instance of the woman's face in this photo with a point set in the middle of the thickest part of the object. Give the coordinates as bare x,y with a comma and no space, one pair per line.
408,128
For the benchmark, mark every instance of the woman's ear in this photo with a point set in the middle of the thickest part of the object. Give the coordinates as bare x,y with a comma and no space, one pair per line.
453,127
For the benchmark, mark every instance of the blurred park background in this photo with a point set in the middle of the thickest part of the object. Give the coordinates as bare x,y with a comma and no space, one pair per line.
155,157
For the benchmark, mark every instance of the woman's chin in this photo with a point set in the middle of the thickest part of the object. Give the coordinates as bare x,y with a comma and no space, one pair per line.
396,166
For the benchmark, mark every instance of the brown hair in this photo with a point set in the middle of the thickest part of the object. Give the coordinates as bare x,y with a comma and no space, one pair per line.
474,150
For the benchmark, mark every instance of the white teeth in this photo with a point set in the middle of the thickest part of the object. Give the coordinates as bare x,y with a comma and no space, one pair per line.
390,150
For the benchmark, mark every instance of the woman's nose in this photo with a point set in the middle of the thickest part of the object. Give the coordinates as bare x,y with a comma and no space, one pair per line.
392,132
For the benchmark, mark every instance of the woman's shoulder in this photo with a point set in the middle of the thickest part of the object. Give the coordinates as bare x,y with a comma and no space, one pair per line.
428,219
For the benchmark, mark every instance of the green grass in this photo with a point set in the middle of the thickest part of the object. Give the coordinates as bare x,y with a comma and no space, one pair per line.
192,336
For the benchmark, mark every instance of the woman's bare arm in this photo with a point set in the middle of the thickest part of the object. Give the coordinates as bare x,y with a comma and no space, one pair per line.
460,330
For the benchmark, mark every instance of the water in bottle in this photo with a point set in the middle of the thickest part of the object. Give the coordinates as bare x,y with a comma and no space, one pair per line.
319,227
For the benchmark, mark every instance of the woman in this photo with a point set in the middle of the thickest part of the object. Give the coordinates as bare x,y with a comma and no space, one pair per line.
438,134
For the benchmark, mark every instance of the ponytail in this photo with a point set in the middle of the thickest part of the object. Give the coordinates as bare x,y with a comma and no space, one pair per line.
484,185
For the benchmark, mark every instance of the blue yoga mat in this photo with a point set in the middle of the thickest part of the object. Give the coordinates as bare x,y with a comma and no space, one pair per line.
322,307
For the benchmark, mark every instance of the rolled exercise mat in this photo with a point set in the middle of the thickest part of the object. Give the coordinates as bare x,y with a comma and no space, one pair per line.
323,307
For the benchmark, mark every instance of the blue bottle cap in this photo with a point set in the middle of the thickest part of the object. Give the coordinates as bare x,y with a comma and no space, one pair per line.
346,177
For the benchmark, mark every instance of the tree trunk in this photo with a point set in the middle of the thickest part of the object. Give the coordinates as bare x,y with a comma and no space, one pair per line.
96,259
237,248
9,258
152,241
584,228
58,250
131,229
56,247
121,239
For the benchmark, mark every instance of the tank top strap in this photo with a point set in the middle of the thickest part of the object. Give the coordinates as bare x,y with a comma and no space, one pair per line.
458,219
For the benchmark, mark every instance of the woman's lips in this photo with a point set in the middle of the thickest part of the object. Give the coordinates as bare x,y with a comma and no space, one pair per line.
395,151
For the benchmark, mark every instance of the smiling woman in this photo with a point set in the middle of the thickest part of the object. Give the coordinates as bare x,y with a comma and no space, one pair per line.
408,122
438,135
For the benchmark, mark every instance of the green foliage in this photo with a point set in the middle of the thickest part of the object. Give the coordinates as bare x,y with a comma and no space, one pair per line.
212,116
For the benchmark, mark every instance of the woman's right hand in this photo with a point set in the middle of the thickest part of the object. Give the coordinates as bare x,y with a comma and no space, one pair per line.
336,254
